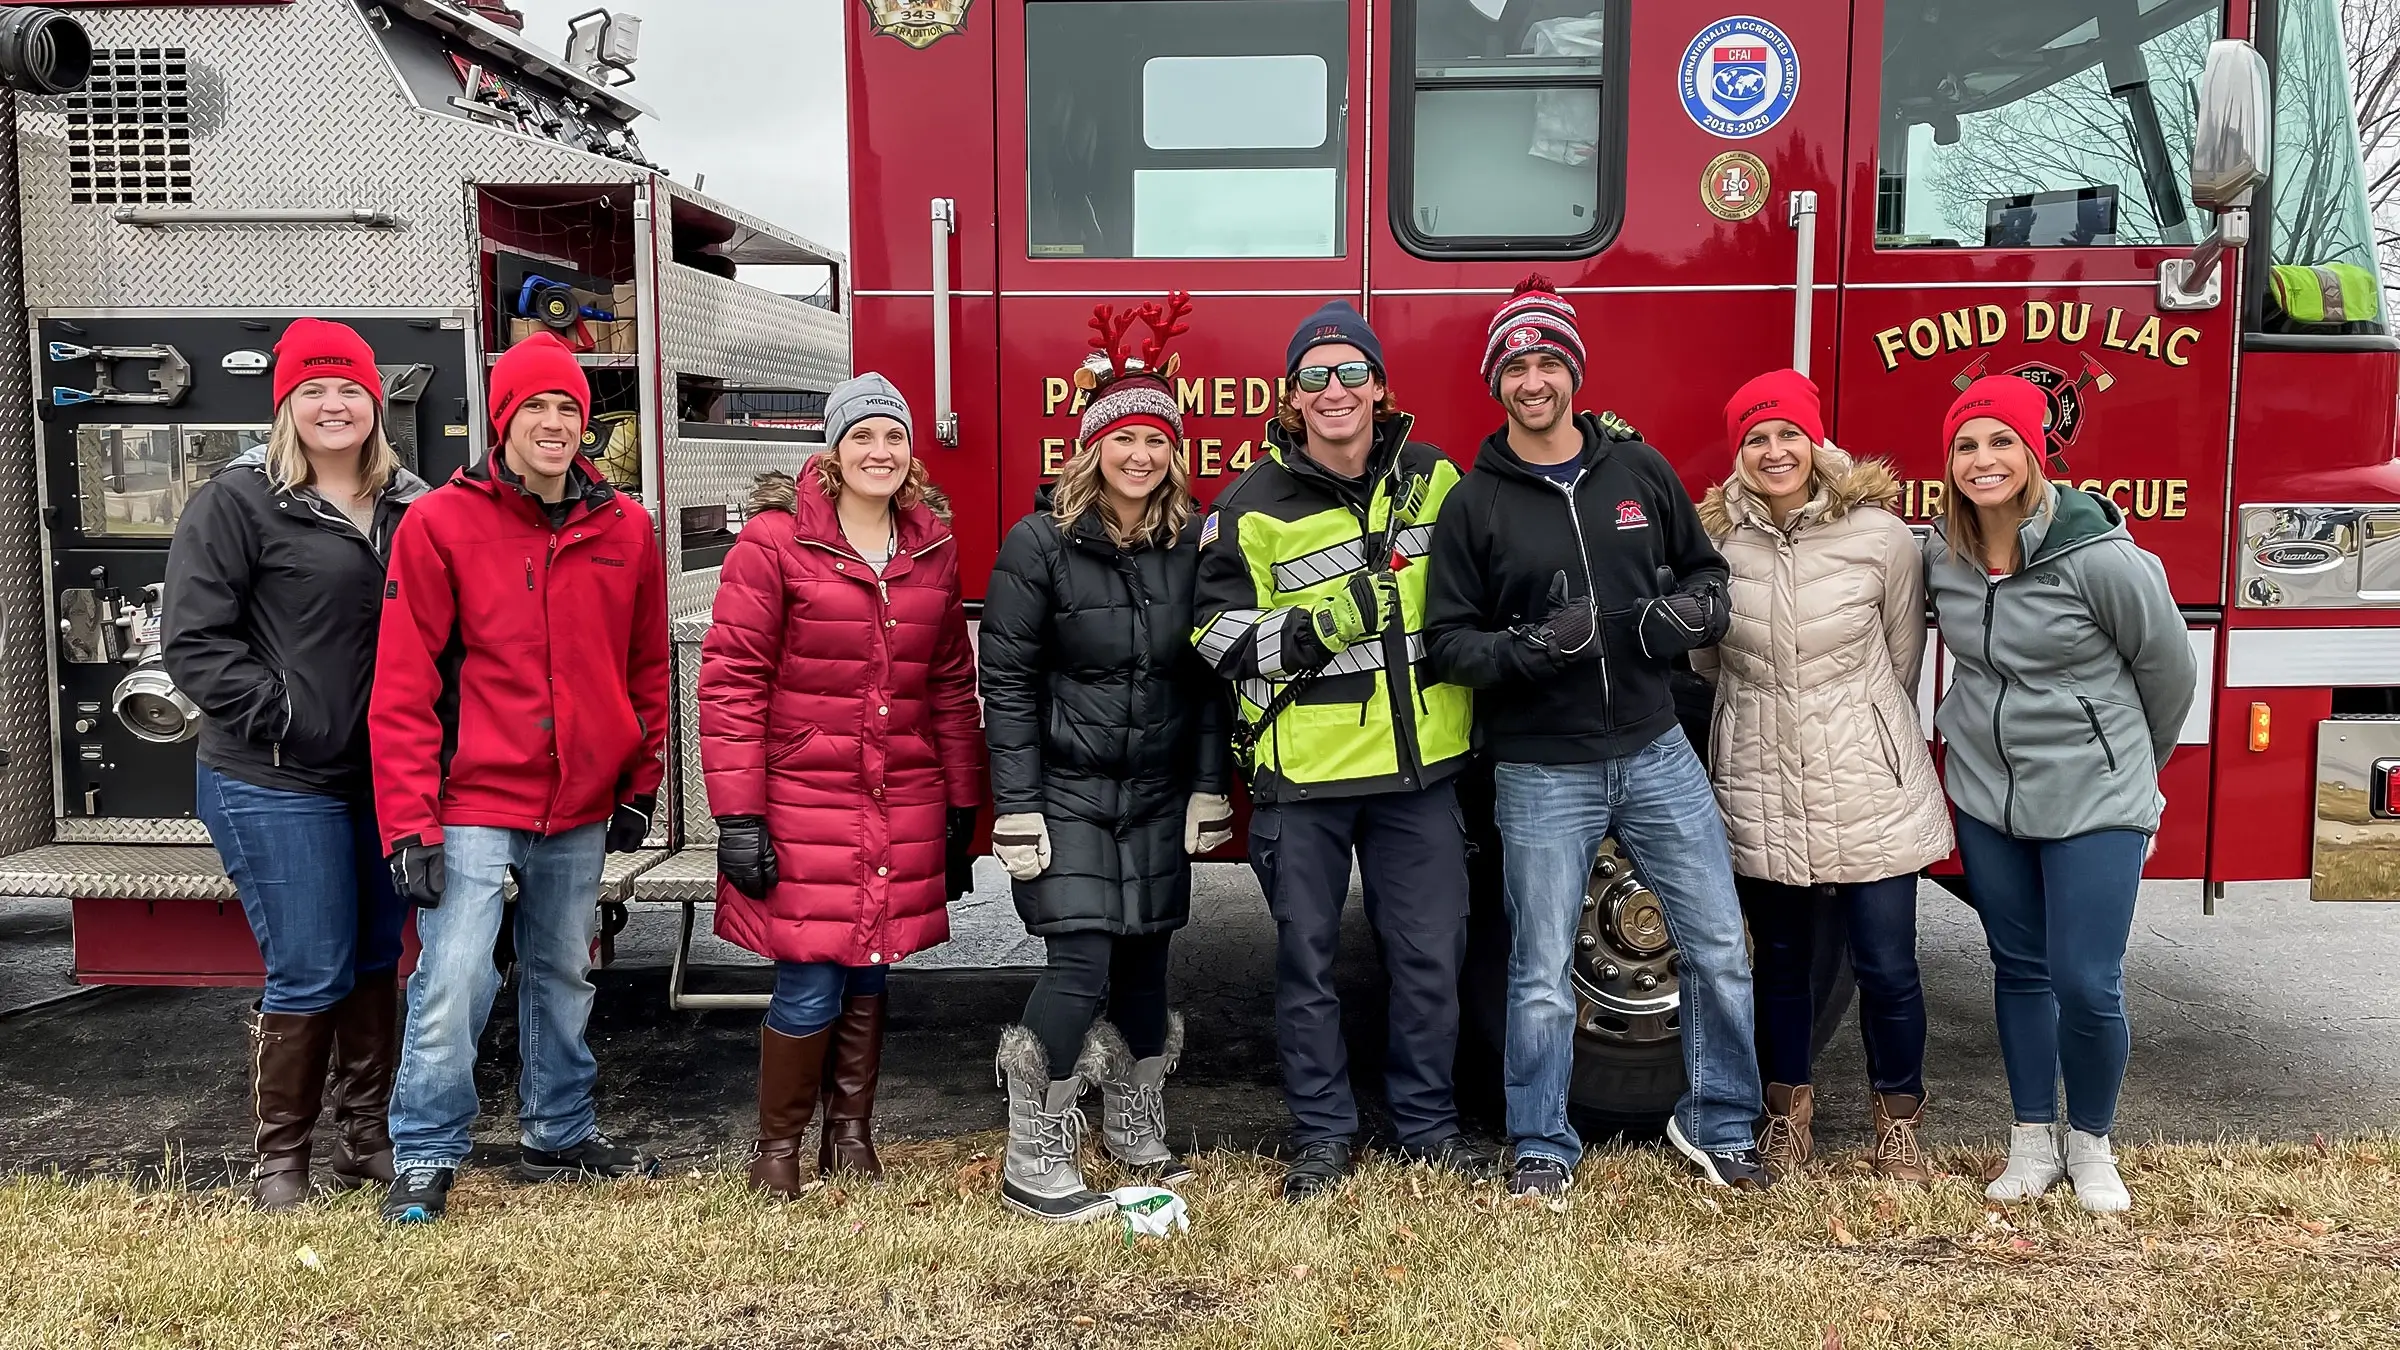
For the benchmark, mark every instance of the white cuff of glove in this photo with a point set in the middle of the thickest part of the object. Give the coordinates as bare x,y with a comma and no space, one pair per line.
1021,841
1207,822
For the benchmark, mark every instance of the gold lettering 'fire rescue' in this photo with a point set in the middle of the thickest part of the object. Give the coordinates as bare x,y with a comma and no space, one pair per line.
1198,396
2072,323
1922,499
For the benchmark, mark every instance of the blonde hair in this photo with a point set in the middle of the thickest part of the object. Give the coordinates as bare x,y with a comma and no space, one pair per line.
1960,522
1168,510
288,468
1820,472
829,478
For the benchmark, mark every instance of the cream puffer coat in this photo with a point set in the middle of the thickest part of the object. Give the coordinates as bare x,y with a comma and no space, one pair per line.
1819,759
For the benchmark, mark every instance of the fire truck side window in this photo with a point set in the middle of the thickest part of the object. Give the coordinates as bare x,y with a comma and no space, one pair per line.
2321,237
1185,128
1502,135
2040,123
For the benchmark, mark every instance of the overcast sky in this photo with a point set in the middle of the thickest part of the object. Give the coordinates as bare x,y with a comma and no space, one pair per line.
748,92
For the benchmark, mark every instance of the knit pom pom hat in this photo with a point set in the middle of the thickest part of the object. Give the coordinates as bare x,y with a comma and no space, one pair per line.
1134,389
1534,319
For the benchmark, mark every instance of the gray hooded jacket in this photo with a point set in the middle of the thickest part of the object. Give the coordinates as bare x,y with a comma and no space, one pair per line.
2074,675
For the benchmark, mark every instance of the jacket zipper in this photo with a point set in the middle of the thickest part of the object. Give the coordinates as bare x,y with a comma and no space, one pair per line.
2008,806
1591,587
2092,715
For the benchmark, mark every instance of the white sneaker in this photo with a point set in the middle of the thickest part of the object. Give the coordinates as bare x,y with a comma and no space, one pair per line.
2092,1166
2035,1164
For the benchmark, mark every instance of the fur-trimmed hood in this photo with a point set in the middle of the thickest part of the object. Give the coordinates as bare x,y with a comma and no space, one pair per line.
1845,485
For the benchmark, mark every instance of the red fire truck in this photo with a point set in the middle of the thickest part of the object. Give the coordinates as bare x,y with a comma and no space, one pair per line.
1897,195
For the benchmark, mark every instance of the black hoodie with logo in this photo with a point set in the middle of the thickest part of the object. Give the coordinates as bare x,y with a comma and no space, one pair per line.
1503,535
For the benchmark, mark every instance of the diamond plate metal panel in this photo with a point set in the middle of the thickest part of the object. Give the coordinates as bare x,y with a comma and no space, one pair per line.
119,830
699,827
103,871
293,107
709,473
686,877
711,326
619,873
26,803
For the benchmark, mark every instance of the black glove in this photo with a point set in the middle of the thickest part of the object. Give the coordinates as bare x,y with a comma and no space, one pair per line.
1568,633
417,872
745,856
1677,621
629,824
960,838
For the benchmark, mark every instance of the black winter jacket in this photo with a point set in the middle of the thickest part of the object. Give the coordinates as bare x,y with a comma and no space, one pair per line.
272,604
1503,534
1101,718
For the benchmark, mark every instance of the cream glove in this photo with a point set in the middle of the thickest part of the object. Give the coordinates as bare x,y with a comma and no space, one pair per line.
1207,822
1021,841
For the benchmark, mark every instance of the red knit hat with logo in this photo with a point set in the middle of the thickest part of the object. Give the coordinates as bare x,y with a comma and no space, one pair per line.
2017,402
1534,319
1778,395
538,364
313,349
1130,388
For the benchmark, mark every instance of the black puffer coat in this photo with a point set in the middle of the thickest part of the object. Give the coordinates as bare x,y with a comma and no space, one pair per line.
1101,718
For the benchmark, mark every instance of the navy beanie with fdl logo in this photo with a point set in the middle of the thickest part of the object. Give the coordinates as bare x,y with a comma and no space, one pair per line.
1336,322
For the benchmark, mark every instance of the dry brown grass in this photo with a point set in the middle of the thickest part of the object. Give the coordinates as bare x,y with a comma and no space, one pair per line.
2233,1246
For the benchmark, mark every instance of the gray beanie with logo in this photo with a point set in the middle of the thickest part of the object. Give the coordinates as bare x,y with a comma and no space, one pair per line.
854,401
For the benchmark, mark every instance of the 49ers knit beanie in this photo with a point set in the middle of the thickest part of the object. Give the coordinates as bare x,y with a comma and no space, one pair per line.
1778,395
2017,402
314,349
538,364
1535,319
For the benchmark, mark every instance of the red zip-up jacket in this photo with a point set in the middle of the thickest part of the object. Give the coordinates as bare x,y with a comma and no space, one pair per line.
521,680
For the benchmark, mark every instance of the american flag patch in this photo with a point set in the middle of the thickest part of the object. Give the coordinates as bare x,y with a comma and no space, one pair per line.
1208,530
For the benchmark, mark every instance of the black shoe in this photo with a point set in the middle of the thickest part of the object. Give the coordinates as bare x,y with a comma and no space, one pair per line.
1537,1174
1456,1154
419,1195
1739,1169
598,1158
1318,1167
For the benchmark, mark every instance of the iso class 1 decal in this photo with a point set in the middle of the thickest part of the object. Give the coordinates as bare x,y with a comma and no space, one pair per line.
1739,77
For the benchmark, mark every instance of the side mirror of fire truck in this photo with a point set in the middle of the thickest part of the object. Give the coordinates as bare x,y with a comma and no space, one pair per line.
2233,149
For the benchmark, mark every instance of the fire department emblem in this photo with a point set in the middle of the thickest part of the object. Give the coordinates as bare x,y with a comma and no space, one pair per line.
1735,186
919,23
2065,393
1739,77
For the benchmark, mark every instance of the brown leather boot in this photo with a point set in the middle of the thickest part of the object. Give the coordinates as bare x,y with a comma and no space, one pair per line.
366,1053
1786,1144
853,1061
790,1068
1898,1155
287,1078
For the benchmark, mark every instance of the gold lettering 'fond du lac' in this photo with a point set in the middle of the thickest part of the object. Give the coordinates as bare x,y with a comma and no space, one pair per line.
2071,323
1200,396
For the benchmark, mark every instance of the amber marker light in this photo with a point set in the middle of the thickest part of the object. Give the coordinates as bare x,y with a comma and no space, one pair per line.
2258,727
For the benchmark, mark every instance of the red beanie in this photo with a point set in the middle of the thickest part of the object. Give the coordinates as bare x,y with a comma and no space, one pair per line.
2019,403
1778,395
539,364
312,349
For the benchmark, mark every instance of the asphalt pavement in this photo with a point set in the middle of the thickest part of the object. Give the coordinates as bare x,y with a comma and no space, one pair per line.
2276,1017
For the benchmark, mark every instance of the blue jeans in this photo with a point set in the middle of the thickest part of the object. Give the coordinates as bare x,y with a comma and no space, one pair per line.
1881,920
809,994
313,883
2056,913
450,995
1658,804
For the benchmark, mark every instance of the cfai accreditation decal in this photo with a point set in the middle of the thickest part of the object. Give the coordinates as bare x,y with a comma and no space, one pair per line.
1735,185
1739,77
919,23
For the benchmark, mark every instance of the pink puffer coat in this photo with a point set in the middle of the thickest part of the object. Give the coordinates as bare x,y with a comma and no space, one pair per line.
841,707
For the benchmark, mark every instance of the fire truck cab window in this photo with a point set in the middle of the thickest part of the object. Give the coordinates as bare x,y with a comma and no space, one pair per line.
1503,132
1185,128
2040,124
2321,237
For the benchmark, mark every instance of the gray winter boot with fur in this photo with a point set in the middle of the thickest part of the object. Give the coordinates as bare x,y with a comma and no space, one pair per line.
1038,1174
1133,1100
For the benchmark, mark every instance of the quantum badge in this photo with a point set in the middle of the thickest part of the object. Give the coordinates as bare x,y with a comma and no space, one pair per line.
1739,77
